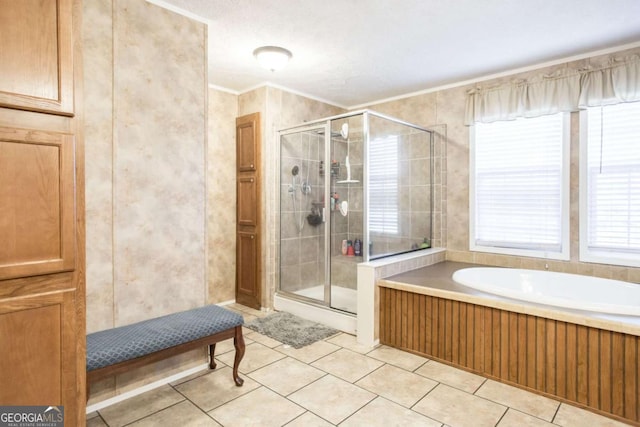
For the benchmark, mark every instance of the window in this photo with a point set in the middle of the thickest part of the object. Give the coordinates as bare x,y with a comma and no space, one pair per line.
610,184
383,185
519,180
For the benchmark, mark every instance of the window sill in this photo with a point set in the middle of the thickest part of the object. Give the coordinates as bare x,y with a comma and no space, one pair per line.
612,258
559,256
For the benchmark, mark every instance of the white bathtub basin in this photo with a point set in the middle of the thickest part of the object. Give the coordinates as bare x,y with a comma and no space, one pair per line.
557,289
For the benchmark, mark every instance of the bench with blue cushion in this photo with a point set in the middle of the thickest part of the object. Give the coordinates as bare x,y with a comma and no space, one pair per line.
120,349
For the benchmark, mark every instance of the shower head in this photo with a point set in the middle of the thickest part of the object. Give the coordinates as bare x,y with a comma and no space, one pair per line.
295,170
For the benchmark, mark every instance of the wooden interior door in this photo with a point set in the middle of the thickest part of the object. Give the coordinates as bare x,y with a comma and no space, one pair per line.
248,242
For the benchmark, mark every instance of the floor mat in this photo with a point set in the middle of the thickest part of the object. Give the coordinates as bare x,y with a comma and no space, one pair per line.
291,330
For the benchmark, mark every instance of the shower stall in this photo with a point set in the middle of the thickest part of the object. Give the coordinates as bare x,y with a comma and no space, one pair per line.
353,188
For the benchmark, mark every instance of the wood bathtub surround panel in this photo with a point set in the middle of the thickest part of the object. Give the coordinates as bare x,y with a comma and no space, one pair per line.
586,366
37,202
495,341
617,377
582,374
470,335
605,370
550,363
594,367
478,331
631,377
487,359
571,364
37,55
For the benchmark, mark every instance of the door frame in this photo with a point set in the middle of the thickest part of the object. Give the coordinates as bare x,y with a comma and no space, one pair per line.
325,126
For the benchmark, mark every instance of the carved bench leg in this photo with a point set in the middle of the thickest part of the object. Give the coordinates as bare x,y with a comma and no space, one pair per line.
212,360
238,343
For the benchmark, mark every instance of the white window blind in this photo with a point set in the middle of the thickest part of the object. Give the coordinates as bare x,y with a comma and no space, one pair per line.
518,185
383,185
613,178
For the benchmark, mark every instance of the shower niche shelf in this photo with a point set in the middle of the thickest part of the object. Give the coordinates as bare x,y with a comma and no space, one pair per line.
335,169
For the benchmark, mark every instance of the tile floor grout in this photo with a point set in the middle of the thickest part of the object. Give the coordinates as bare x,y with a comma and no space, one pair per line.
451,380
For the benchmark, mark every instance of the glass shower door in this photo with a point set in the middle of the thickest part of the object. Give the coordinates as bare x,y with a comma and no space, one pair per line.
346,209
303,230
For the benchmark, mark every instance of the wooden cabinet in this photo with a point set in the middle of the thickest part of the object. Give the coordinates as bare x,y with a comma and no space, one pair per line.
247,132
248,272
36,53
42,252
40,362
248,259
37,201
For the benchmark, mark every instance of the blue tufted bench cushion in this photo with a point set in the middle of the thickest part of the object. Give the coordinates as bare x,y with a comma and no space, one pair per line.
115,350
116,345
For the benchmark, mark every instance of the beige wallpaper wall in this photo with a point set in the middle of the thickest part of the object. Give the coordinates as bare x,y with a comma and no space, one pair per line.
221,196
145,102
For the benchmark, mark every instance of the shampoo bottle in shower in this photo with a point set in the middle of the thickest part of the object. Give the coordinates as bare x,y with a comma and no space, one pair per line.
357,247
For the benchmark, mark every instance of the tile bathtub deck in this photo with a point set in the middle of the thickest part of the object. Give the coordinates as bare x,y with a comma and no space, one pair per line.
337,382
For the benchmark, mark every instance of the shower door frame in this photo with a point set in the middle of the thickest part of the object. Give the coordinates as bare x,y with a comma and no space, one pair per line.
324,126
325,123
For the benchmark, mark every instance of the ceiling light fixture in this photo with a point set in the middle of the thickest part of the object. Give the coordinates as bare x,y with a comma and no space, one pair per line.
272,57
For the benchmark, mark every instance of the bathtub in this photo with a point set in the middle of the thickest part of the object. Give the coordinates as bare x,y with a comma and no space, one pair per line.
556,289
577,355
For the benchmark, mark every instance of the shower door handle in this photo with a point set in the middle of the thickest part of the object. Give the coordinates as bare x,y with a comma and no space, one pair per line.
323,219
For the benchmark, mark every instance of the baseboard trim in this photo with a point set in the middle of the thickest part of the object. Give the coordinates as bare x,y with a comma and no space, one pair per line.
147,387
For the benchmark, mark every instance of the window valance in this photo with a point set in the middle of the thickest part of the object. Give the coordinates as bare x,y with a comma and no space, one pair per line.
562,91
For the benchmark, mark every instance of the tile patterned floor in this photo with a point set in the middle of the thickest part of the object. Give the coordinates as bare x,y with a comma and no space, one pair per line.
337,382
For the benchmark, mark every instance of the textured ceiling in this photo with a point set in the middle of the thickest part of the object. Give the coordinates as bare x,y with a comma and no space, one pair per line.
354,52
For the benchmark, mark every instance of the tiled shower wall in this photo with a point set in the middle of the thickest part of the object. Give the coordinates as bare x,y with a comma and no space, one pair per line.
414,172
301,242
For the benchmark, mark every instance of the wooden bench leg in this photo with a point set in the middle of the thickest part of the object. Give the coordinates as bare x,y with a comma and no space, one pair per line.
212,360
238,343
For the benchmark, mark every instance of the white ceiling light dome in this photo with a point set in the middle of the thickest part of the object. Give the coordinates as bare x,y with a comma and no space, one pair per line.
272,57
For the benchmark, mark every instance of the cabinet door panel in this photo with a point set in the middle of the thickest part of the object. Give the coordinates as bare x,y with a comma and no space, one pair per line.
247,202
37,366
247,275
247,132
36,51
36,203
